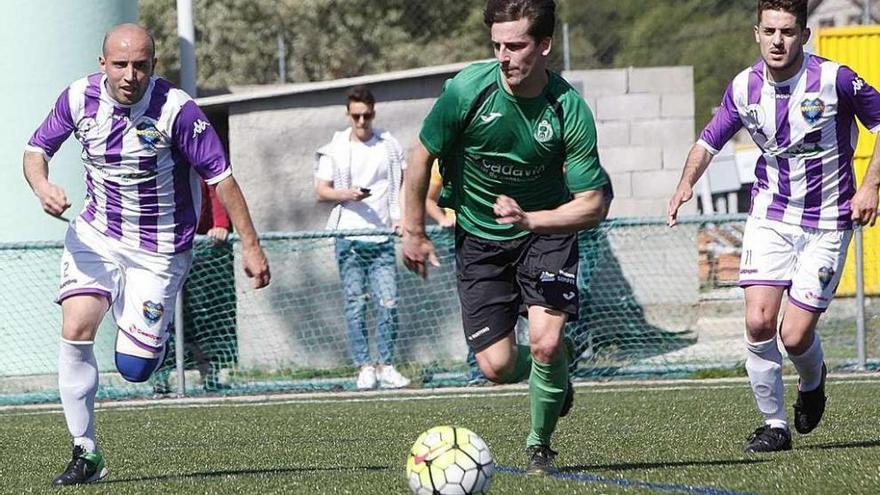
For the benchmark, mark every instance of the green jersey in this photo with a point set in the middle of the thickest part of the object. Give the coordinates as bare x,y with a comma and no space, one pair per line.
539,151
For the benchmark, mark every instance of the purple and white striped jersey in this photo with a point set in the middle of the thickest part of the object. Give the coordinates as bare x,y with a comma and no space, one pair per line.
140,160
806,130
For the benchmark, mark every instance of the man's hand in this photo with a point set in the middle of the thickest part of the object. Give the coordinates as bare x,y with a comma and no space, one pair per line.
53,199
864,206
509,212
256,266
218,234
355,194
682,195
418,251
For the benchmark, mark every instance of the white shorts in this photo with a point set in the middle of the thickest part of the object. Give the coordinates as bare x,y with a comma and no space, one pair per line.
140,286
806,260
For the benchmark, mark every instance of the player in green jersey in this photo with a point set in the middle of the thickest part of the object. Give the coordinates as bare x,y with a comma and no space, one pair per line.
517,151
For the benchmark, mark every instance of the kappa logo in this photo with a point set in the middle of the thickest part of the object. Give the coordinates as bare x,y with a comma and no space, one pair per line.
199,127
490,117
858,83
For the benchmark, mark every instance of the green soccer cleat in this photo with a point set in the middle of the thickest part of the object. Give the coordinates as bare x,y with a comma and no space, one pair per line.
84,467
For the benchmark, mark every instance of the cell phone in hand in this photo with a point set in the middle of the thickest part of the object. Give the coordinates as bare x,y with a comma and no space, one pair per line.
364,190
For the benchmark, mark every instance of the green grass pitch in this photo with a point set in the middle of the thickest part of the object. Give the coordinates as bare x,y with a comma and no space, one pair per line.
651,437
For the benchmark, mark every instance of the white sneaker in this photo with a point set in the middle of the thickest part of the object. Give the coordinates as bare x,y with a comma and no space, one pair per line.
390,378
367,378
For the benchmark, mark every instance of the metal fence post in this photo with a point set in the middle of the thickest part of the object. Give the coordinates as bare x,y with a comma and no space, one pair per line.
178,347
860,297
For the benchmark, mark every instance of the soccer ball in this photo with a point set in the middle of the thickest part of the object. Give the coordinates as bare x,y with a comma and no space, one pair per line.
447,460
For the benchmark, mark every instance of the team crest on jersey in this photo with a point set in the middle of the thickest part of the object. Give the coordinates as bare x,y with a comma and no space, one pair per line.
812,110
153,311
544,132
148,135
755,115
825,276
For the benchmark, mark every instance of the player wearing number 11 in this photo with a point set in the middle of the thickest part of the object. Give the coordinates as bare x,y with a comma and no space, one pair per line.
800,110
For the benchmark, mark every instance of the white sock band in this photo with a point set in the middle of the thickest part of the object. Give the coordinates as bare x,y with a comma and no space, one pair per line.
809,365
77,385
764,366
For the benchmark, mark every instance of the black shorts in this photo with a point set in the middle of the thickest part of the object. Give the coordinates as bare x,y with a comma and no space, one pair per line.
499,280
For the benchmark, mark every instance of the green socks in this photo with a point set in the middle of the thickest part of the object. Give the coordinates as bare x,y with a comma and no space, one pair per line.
547,387
523,366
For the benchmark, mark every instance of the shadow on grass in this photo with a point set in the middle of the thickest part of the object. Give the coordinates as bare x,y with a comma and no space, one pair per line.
662,465
244,472
842,445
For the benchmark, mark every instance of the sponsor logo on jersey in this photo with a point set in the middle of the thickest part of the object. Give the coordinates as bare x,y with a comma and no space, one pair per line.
199,127
544,132
84,128
812,110
806,150
508,172
153,311
548,277
490,117
858,83
148,135
825,276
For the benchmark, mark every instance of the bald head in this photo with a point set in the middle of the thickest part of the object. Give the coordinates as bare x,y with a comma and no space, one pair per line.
128,59
129,36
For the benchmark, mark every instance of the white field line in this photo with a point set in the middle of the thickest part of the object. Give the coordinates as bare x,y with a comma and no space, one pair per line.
520,389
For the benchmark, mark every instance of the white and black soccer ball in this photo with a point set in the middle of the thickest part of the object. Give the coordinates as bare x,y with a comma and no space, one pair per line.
447,460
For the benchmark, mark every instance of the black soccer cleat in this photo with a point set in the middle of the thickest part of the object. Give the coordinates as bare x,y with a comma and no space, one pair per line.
767,439
84,467
541,460
810,407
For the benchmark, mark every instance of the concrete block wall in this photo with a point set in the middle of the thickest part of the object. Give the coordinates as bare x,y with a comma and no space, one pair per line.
645,126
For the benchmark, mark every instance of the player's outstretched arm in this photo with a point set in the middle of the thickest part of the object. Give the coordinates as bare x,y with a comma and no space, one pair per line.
586,210
697,161
36,172
864,203
418,250
256,266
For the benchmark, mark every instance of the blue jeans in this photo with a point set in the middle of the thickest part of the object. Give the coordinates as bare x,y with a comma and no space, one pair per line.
373,266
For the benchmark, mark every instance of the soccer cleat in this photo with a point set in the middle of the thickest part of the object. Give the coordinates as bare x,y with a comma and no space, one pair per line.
366,379
767,439
84,467
391,378
541,460
810,406
569,391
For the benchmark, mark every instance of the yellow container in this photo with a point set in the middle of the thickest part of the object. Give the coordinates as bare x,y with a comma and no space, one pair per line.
859,48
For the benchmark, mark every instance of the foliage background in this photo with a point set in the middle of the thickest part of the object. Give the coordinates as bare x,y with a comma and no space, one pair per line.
237,41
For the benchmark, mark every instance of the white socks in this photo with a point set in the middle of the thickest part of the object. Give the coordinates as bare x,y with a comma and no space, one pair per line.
764,366
78,384
809,365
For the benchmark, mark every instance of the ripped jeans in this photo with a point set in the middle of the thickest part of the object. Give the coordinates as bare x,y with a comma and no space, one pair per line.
368,271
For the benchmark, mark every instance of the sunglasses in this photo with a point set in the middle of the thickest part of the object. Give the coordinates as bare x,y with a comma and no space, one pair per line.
365,116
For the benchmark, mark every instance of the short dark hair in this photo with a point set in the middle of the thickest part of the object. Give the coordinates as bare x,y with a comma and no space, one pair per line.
540,13
798,8
359,94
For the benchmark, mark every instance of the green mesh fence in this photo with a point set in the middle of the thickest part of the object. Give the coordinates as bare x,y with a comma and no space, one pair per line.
655,302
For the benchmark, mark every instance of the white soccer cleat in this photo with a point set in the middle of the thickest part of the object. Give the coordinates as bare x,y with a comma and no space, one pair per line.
366,379
391,378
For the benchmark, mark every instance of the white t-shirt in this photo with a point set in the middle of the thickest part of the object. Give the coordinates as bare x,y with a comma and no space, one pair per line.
369,169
